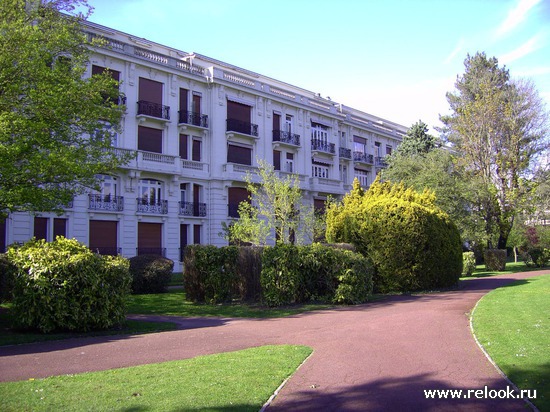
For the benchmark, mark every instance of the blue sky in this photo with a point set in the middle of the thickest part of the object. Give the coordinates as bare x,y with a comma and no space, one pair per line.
392,58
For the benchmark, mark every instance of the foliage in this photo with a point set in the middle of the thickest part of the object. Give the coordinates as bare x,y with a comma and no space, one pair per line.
468,263
56,125
62,285
417,141
498,127
535,256
6,278
150,273
412,244
495,259
210,273
276,206
296,274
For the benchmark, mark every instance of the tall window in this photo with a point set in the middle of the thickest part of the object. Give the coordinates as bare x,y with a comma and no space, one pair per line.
184,150
150,190
150,90
236,195
115,75
196,149
319,170
183,99
149,139
359,145
288,123
276,160
239,154
378,148
108,186
388,150
289,164
319,133
362,176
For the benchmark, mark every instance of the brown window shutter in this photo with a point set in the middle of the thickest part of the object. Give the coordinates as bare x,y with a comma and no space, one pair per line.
149,139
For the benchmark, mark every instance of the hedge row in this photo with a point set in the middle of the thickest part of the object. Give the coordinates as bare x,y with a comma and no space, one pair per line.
279,275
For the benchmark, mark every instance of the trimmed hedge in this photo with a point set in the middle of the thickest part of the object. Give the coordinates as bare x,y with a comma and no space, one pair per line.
495,259
62,285
150,273
279,275
6,278
412,244
468,263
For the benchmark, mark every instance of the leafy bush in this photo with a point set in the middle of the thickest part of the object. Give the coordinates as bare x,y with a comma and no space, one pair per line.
6,278
495,259
468,263
62,285
150,273
298,274
412,244
535,256
247,285
209,273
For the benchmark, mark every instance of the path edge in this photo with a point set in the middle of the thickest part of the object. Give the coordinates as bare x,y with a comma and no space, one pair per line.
512,384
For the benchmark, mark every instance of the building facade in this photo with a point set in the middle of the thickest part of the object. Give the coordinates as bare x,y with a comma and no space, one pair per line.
196,126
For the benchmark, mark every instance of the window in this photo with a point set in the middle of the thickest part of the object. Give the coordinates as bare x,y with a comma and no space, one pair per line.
320,170
196,149
344,174
197,234
239,154
276,121
150,91
289,165
196,103
238,119
378,146
319,133
288,123
149,139
276,160
115,75
108,186
183,192
183,238
359,145
183,146
184,96
59,227
103,237
388,149
150,190
150,239
362,176
236,195
3,232
41,228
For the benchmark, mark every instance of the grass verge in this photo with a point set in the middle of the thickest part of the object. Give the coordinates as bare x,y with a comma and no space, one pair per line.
233,381
174,303
512,323
511,267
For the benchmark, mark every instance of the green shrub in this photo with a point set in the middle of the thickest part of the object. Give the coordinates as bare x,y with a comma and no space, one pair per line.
299,274
7,270
150,273
468,263
412,244
535,256
495,259
62,285
247,285
210,273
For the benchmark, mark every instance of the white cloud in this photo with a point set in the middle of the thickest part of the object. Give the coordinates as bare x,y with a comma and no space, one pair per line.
516,16
526,48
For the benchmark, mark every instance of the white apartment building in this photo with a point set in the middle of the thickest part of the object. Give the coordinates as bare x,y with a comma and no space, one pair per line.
197,125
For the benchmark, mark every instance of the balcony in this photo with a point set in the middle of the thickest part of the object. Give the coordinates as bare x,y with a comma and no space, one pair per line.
151,109
344,153
381,162
192,209
107,203
286,137
159,251
110,251
234,125
146,205
192,118
321,146
363,158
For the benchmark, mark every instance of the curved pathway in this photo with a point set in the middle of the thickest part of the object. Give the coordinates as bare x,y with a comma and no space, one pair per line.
376,356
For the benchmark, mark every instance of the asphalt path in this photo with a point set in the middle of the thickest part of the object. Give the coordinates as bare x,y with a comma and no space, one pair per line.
377,356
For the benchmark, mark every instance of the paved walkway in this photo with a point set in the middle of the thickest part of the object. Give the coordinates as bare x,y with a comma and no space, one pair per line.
377,356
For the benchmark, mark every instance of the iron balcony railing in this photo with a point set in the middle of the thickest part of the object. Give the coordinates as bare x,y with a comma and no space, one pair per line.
345,152
105,202
286,137
363,157
153,109
381,162
322,146
196,119
192,209
111,251
146,205
159,251
234,125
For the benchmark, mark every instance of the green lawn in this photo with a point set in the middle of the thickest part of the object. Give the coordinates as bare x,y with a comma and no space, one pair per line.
233,381
513,325
511,267
174,303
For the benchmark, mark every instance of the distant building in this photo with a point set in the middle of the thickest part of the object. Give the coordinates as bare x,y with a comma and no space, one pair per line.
197,126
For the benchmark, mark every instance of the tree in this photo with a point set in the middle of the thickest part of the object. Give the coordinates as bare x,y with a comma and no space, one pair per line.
276,206
56,126
416,141
498,126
